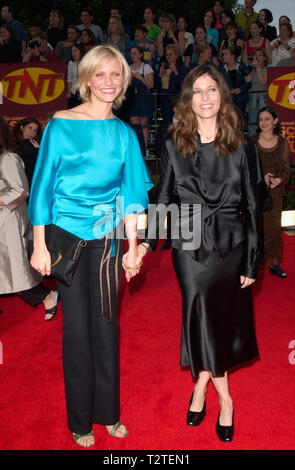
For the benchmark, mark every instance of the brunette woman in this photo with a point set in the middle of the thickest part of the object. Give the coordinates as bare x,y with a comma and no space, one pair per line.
88,39
78,51
16,274
209,167
274,154
10,48
26,136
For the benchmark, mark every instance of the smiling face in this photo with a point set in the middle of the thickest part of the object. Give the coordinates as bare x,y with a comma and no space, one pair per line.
107,81
206,97
266,122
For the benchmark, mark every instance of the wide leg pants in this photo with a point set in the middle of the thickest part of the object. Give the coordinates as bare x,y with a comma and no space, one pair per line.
90,338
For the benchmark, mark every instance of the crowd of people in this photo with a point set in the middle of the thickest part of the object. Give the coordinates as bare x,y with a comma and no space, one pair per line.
242,46
223,61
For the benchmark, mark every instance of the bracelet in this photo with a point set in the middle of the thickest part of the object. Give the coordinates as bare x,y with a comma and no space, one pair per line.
133,267
144,246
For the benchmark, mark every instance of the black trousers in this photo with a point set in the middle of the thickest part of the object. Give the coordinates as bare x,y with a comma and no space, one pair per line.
35,295
90,338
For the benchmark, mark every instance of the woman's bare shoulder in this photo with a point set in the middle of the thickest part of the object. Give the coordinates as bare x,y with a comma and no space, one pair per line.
74,113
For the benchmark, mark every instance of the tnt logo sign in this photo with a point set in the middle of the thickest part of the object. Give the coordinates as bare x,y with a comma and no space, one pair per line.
32,85
282,90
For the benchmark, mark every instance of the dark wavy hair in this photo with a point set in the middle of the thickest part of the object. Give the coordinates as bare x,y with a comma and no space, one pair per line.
17,133
229,136
277,127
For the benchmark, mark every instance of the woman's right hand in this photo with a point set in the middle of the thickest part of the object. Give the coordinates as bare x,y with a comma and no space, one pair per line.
41,261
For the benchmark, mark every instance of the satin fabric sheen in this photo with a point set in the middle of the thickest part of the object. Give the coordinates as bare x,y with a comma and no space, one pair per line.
217,318
227,188
82,167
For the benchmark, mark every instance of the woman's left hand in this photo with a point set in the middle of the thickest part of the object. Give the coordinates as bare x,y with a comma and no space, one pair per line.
246,281
131,264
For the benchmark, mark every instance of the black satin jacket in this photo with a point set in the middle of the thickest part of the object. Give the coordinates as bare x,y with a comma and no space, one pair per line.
227,188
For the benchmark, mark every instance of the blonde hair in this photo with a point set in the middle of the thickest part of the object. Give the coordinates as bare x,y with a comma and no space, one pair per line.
88,65
121,30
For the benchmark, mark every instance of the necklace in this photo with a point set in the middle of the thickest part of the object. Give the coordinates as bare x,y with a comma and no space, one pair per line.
267,139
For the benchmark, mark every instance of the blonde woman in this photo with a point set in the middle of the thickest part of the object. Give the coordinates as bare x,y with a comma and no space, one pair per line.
116,35
87,158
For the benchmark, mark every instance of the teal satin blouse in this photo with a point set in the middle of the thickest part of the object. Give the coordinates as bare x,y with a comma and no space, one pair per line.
89,174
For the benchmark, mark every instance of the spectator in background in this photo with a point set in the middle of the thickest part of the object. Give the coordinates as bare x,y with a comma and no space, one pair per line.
86,18
117,12
265,17
188,37
56,31
64,48
152,28
26,136
274,154
148,46
256,40
34,30
234,74
232,39
204,55
10,47
169,35
245,17
227,16
142,81
88,39
209,21
78,51
16,274
282,46
116,35
218,8
17,26
38,50
169,78
258,95
200,39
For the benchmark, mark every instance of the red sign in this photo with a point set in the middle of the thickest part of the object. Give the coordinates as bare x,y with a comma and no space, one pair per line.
281,96
30,90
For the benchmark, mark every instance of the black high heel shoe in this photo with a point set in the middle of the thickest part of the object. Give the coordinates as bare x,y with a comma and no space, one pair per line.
52,311
225,433
194,418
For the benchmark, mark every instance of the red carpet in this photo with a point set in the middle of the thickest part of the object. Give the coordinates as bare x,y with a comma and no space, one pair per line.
155,391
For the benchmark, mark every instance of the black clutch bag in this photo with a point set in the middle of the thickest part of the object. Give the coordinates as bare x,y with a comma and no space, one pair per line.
267,202
65,250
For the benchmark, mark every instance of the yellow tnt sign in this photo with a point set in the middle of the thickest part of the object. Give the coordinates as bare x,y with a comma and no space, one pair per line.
32,85
282,90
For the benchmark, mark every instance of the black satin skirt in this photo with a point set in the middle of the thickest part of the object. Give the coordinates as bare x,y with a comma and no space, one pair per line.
218,330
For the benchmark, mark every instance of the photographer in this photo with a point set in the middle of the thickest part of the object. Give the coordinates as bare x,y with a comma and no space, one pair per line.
282,46
258,79
38,50
256,40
